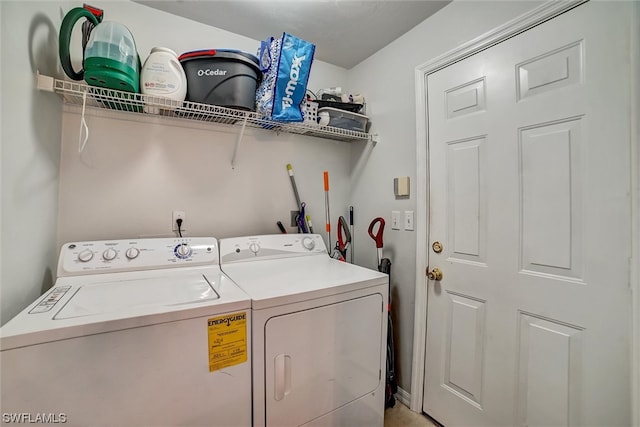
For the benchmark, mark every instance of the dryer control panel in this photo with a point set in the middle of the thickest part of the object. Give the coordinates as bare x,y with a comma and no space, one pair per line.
250,248
109,256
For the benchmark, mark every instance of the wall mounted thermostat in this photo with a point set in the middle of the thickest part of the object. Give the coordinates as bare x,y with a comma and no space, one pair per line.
401,186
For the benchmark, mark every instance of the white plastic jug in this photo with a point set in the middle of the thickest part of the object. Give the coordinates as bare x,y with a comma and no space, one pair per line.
163,76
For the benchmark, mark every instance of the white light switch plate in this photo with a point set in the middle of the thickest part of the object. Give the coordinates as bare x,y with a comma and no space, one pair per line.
395,220
408,220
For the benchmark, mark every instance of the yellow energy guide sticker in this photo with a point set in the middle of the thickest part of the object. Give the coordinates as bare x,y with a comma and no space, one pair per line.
227,340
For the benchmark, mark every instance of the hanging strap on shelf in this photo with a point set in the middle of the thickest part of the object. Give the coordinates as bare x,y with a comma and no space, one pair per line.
235,149
83,126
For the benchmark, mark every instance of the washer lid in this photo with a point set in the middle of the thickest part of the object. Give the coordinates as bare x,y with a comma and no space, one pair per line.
99,298
87,305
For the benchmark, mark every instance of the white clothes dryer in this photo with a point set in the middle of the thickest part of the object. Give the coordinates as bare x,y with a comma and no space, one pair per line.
319,331
134,333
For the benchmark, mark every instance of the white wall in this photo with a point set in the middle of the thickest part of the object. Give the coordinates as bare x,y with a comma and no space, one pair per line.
132,175
387,80
31,127
635,216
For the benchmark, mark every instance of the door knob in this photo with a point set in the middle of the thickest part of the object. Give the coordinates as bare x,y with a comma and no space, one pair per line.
435,274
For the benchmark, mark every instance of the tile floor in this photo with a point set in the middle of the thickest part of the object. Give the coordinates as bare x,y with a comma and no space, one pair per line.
402,416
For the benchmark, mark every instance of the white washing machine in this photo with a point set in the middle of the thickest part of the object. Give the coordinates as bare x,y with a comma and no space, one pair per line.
319,331
135,332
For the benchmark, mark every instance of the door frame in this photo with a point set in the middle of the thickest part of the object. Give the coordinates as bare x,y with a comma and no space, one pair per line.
536,16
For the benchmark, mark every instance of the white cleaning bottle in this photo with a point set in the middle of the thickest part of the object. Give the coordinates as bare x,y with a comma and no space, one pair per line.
163,76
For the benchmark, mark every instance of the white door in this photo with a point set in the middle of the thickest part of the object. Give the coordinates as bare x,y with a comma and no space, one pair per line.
529,175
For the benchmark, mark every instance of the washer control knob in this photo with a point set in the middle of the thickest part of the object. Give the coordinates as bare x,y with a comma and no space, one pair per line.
183,251
85,256
308,243
109,254
254,247
132,253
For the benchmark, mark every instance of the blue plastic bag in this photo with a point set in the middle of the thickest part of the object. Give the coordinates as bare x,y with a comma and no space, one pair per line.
286,65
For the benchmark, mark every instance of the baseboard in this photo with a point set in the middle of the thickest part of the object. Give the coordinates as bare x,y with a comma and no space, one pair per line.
403,397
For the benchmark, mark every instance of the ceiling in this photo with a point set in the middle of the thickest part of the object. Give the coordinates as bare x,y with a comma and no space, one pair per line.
345,32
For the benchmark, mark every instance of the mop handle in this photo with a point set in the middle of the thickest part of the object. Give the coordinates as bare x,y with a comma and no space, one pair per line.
305,219
351,227
293,184
326,205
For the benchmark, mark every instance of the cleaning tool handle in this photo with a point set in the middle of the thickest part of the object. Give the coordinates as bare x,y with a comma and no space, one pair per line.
342,228
352,232
327,212
378,235
326,197
293,184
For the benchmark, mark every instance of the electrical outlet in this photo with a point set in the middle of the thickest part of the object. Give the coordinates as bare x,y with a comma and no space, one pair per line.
294,216
408,220
395,220
178,215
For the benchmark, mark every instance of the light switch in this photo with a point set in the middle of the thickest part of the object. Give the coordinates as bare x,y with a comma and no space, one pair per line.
408,220
395,220
401,186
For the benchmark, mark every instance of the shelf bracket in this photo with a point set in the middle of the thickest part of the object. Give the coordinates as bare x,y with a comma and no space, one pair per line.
44,83
240,136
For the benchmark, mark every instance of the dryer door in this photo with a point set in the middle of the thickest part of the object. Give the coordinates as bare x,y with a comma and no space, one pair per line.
322,359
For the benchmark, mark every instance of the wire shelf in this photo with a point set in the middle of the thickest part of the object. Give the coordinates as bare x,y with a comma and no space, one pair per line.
76,93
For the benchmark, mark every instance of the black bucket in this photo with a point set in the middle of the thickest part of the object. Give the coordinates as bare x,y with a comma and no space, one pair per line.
227,78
